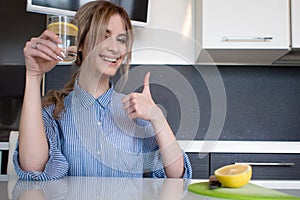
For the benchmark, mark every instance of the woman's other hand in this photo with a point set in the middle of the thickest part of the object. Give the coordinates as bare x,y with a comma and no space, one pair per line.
42,53
141,105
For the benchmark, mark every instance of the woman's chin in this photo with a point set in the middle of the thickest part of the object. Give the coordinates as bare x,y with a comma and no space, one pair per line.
110,71
112,68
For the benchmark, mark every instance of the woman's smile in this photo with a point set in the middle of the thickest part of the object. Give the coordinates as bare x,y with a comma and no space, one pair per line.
109,59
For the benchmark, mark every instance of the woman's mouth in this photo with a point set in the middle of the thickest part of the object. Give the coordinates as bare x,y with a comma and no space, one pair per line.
109,59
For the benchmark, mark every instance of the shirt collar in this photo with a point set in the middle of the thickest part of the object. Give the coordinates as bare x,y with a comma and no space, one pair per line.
87,100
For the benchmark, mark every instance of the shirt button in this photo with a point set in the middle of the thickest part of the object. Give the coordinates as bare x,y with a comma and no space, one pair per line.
99,123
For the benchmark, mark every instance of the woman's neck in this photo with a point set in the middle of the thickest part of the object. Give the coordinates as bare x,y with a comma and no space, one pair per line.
95,86
102,87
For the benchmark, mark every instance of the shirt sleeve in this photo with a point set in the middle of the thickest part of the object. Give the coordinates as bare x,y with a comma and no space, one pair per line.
160,173
57,165
153,163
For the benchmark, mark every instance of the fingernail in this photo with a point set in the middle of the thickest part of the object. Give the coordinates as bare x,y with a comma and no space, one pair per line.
59,58
63,55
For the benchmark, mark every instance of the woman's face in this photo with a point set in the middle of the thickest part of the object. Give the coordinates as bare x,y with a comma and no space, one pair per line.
108,56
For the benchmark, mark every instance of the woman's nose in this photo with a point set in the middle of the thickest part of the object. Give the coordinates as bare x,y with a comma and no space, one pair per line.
112,44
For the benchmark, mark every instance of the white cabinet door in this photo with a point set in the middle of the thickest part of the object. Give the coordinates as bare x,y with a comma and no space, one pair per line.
295,5
169,38
245,24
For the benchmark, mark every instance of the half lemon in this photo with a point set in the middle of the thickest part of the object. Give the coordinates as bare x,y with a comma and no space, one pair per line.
234,176
64,28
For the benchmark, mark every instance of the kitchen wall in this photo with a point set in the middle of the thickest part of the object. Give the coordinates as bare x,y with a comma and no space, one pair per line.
262,103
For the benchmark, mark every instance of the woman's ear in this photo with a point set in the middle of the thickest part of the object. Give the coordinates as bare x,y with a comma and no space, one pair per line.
79,57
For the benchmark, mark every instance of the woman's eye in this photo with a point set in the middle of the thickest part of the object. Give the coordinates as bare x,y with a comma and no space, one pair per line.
122,40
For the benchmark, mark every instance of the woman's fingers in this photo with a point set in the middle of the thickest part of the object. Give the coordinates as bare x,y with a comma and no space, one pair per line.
129,103
140,105
49,49
42,53
45,46
137,105
31,51
49,35
130,110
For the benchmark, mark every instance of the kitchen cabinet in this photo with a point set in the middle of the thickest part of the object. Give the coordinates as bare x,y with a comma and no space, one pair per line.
200,165
17,27
169,38
245,24
242,31
295,21
269,160
12,83
264,166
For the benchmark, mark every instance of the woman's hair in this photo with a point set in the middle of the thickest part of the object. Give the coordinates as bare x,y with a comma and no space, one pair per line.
92,20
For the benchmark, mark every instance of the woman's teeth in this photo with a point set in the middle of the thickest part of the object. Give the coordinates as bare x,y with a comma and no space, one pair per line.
109,59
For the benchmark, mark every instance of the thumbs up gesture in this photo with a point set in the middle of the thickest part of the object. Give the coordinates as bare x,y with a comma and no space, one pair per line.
141,105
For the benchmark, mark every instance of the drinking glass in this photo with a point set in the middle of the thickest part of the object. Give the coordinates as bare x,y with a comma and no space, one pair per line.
66,28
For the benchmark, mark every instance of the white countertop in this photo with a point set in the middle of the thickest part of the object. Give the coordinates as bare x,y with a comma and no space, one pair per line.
119,188
200,146
74,188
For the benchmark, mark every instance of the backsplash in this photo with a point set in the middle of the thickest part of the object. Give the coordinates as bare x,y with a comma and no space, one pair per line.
262,102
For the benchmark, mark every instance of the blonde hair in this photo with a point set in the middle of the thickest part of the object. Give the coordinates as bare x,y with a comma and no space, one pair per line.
92,19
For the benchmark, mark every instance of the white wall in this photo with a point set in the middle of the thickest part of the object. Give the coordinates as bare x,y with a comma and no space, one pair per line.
169,38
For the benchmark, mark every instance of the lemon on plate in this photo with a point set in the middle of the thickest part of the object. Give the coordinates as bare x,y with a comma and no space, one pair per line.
234,176
62,27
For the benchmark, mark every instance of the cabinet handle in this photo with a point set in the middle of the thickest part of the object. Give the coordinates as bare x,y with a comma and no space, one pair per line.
265,164
246,39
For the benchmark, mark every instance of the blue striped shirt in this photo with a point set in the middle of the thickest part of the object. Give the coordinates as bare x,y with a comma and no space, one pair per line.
94,137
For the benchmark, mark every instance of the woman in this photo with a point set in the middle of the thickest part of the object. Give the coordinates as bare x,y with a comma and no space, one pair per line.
88,129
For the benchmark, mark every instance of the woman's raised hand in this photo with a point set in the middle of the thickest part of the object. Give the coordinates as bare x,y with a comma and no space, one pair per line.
141,105
42,53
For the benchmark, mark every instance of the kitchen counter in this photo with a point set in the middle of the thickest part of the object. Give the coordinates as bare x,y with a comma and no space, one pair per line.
116,188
